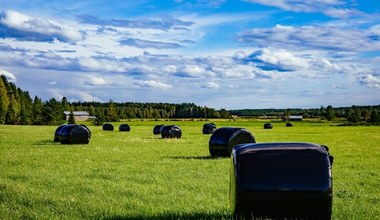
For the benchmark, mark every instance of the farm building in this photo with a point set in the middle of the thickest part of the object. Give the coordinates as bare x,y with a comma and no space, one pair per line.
78,115
295,118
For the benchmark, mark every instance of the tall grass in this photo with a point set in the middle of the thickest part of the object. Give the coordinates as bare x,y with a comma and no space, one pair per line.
137,175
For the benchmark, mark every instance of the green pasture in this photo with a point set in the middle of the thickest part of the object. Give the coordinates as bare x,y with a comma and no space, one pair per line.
137,175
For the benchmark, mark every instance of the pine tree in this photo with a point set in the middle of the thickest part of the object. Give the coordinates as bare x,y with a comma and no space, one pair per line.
4,99
330,113
37,111
26,108
71,118
65,104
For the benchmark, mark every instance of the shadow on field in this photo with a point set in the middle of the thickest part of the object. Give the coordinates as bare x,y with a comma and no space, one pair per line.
192,216
194,157
44,142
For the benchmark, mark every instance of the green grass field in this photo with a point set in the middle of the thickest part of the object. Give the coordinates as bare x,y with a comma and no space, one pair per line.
137,175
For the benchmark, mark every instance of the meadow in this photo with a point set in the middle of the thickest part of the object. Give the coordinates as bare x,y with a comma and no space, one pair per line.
138,175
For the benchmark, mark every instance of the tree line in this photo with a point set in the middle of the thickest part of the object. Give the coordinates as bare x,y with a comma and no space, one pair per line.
353,114
18,108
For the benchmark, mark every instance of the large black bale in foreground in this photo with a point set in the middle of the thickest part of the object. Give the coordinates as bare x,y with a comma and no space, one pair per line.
208,128
124,127
157,129
281,181
75,134
224,139
171,131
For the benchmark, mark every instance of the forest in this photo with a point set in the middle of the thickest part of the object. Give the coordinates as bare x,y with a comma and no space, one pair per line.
18,108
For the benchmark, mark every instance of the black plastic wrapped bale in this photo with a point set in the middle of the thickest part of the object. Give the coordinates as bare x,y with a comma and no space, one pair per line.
75,134
57,133
157,129
171,131
208,128
281,181
289,124
124,127
88,129
268,126
224,139
107,127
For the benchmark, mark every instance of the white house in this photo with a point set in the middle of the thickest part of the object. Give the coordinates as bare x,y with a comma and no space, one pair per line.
78,115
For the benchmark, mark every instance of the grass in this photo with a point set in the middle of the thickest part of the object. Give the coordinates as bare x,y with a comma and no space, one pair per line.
137,175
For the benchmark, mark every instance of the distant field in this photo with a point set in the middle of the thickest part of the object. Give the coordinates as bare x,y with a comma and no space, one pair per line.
137,175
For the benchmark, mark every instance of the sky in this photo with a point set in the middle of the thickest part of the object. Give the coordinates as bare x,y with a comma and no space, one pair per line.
221,54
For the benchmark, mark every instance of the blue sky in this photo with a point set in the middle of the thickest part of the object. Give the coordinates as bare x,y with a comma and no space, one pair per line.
220,54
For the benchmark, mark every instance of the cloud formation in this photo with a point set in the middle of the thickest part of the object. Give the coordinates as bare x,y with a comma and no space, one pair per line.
163,23
10,76
197,48
153,84
14,24
333,8
314,38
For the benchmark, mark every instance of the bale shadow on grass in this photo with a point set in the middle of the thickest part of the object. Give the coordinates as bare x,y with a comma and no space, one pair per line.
193,216
194,157
45,142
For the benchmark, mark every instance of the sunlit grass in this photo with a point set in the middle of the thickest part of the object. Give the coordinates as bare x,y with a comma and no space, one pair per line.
134,175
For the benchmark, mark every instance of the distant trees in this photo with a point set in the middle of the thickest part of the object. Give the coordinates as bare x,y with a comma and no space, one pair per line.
16,107
353,114
330,113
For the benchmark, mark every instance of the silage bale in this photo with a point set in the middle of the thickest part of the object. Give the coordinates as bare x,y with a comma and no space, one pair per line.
224,139
268,126
75,134
107,126
157,129
171,131
281,181
57,133
124,127
209,128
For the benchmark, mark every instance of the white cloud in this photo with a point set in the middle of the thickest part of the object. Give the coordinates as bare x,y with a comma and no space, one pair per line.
332,38
10,76
17,25
342,13
153,84
281,59
370,81
328,7
212,85
87,97
96,81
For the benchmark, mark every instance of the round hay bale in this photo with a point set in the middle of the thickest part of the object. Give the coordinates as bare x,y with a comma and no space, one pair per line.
88,129
289,124
57,133
171,131
209,128
107,127
224,139
281,181
268,126
157,129
75,134
124,127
